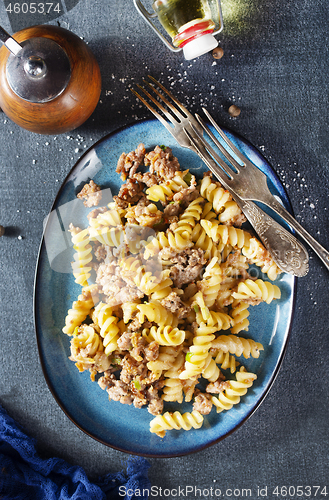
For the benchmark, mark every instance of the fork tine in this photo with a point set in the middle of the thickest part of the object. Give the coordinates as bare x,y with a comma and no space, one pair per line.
158,104
179,104
155,113
221,148
206,158
226,139
169,104
196,141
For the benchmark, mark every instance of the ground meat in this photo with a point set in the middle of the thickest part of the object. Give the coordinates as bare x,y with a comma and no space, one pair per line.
173,210
185,196
131,369
116,289
129,163
218,386
155,406
151,351
163,162
134,234
188,267
103,253
107,380
130,193
93,214
174,304
136,386
91,194
202,404
124,341
148,179
120,392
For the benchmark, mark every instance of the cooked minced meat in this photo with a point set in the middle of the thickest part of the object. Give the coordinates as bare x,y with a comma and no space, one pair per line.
162,162
148,179
151,351
130,193
202,404
218,386
129,163
174,304
173,209
107,380
155,405
91,194
124,341
116,289
188,267
93,214
134,386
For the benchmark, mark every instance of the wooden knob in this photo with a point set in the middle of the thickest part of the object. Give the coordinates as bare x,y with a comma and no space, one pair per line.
69,109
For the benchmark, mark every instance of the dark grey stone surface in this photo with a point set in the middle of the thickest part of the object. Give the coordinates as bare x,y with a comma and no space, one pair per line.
275,68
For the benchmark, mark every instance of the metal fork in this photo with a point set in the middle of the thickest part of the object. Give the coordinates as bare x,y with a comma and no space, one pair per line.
249,182
287,252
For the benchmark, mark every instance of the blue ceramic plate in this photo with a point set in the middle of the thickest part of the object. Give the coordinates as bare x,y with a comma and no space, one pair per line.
84,402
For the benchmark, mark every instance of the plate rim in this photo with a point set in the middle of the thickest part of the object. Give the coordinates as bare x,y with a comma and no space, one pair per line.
38,333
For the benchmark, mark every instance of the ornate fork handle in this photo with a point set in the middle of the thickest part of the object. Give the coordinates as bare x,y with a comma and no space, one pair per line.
285,249
272,203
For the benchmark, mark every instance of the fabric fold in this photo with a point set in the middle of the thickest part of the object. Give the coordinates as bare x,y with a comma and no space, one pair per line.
24,475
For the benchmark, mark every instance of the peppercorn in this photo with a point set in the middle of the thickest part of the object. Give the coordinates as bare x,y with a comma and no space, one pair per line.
218,53
234,110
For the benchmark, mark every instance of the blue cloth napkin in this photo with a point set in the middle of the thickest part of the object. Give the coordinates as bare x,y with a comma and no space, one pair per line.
24,475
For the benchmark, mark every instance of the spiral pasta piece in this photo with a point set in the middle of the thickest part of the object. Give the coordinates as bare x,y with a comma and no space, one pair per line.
229,235
80,309
113,237
172,390
112,217
239,314
203,241
163,288
211,283
210,371
258,290
165,361
221,320
226,361
189,217
82,257
198,352
257,254
238,345
84,346
222,202
235,390
162,423
214,193
166,240
166,190
107,323
154,311
167,335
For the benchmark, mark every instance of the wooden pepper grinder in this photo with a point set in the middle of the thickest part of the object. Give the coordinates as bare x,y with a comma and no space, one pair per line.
50,81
